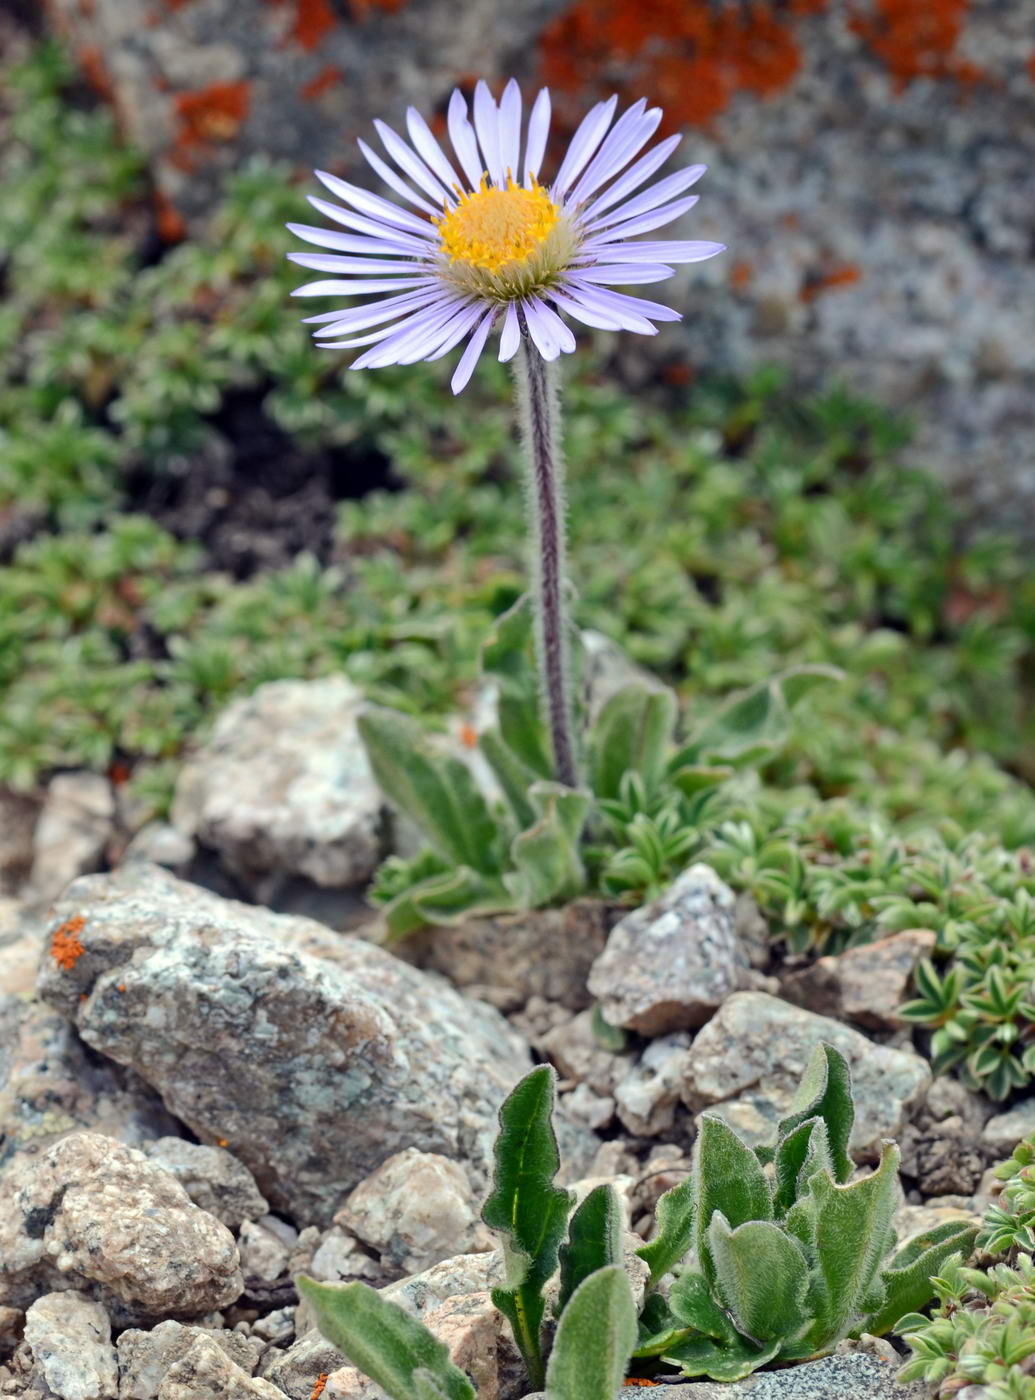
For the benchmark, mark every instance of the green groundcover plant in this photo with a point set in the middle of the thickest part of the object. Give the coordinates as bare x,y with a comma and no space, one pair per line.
758,1257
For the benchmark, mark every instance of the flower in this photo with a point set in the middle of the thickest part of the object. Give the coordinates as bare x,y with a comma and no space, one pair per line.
491,245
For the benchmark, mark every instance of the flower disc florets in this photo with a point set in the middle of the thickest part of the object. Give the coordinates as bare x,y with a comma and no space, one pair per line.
505,242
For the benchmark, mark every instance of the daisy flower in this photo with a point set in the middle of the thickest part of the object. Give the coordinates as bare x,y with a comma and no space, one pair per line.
485,244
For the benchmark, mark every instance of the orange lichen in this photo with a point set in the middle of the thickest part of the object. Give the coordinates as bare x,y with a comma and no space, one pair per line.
468,736
313,21
95,73
740,275
1031,67
327,78
917,38
222,1142
65,947
361,8
212,113
693,54
844,276
318,1388
121,987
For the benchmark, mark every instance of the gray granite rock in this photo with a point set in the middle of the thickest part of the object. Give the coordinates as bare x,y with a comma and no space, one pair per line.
282,787
146,1357
646,1098
213,1178
670,964
69,1336
72,833
746,1065
206,1372
311,1056
19,813
865,985
1003,1132
92,1214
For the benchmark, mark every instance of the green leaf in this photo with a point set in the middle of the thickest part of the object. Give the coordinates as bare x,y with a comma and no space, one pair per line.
425,1387
692,1302
548,865
382,1340
513,776
720,1361
594,1241
632,733
595,1339
762,1276
728,1177
907,1279
508,656
527,1210
613,1038
755,723
445,899
826,1092
803,1150
851,1233
674,1230
436,790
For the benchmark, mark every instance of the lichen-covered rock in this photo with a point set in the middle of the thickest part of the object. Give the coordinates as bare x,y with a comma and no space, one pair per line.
311,1056
145,1358
1003,1132
866,985
670,964
206,1372
747,1062
416,1209
213,1178
283,787
92,1214
50,1085
72,833
69,1337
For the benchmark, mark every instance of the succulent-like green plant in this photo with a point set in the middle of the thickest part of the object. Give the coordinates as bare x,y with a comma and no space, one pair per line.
983,1331
776,1255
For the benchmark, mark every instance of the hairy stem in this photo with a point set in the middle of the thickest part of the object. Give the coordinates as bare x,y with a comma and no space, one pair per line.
540,425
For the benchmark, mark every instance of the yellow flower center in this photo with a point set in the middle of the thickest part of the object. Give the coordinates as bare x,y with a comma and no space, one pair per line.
497,226
504,241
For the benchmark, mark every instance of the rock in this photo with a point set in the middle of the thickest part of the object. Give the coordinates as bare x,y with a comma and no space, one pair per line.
295,1372
265,1256
146,1357
282,787
747,1063
92,1214
313,1057
867,984
205,1372
21,934
18,816
579,1056
646,1098
594,1111
540,952
214,1179
12,1321
1003,1132
161,843
73,831
69,1336
340,1257
669,965
51,1085
942,1147
416,1209
911,1221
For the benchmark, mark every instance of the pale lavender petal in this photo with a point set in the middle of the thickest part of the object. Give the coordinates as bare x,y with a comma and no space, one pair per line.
465,143
585,141
391,179
665,189
374,337
454,331
334,262
510,131
472,354
629,133
487,125
429,150
411,164
363,286
624,274
349,242
359,317
538,131
414,337
363,225
510,335
639,306
587,315
547,329
671,250
655,219
634,176
595,300
374,206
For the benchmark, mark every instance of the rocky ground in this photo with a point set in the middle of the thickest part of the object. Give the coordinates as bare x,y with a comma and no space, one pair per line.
206,1085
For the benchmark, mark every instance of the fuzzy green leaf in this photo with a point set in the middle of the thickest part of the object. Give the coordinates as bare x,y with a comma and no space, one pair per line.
755,723
805,1149
762,1277
674,1221
548,865
436,790
632,733
728,1177
826,1092
701,1356
527,1210
692,1302
445,899
507,655
595,1339
514,776
907,1278
382,1340
594,1241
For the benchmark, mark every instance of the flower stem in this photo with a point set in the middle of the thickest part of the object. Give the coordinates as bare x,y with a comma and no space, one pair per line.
540,425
